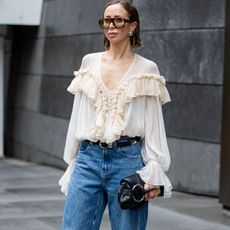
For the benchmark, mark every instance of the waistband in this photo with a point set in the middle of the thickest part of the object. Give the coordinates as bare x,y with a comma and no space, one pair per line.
122,142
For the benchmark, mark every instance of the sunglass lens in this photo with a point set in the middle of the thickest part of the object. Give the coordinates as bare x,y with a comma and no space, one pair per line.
119,22
101,23
106,23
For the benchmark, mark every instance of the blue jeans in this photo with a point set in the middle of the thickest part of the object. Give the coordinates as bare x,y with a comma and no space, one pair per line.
95,183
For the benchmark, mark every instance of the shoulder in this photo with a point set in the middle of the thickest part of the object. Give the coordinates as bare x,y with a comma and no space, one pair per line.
147,65
91,57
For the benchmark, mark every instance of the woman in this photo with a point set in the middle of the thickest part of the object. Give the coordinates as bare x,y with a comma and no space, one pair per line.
116,127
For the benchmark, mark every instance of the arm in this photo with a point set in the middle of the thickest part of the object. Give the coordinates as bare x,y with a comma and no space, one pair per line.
71,144
155,151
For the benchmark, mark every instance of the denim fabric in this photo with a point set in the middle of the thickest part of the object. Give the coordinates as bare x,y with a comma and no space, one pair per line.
94,184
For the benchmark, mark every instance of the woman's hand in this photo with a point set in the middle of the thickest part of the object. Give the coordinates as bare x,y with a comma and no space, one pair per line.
151,194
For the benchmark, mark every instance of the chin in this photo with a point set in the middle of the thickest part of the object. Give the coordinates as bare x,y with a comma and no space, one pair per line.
116,41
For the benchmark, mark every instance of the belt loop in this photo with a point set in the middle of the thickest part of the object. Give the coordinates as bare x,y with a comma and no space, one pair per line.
115,144
90,143
110,145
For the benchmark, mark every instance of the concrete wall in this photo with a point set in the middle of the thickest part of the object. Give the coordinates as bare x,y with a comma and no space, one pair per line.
225,147
1,95
184,37
5,50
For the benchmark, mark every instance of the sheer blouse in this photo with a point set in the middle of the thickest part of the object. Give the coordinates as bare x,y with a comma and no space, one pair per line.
132,108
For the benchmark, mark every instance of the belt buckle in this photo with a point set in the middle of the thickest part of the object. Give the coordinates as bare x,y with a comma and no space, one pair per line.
105,145
101,145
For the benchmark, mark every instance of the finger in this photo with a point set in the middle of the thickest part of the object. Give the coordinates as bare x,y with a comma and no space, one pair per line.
156,192
146,197
153,194
150,194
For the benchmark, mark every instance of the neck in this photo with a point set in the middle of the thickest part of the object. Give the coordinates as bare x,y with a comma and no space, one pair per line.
120,51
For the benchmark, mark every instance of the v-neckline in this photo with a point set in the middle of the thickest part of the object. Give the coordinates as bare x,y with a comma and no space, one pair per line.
122,78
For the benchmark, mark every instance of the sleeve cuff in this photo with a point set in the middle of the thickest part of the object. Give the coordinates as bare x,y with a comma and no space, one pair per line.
154,174
65,179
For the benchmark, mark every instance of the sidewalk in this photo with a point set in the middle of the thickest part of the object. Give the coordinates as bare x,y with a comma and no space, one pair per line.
30,199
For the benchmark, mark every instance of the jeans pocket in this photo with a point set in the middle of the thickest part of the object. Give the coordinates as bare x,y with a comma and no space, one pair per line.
130,151
84,146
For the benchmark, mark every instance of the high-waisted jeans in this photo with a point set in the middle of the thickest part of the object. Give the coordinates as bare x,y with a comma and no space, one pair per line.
95,183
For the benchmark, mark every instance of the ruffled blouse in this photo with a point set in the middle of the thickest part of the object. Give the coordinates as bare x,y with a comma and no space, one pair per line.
132,108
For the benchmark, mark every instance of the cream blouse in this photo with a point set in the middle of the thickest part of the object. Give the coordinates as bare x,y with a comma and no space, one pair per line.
132,108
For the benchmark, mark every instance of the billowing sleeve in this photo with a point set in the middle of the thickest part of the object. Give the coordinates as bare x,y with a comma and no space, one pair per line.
71,145
155,150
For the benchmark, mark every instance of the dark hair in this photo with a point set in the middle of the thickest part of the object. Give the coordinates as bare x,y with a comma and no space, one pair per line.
135,40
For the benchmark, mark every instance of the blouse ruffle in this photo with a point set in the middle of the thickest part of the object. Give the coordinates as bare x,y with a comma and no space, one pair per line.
114,103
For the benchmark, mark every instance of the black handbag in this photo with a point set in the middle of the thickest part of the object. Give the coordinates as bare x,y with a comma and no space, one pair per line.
131,192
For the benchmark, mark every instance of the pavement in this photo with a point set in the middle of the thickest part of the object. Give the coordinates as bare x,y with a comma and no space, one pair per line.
30,199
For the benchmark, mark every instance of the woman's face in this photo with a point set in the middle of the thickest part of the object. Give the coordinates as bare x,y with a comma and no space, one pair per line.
113,34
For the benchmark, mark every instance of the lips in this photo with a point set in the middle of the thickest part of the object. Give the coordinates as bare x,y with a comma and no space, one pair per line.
112,34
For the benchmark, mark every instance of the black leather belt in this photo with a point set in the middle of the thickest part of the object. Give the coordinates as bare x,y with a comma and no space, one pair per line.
119,143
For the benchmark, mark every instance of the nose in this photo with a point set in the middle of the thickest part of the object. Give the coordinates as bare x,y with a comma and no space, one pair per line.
111,25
